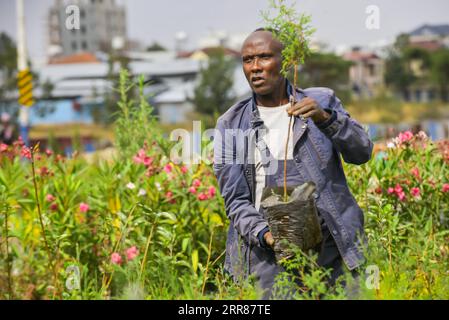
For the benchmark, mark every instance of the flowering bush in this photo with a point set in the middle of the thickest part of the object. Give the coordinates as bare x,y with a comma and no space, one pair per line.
142,226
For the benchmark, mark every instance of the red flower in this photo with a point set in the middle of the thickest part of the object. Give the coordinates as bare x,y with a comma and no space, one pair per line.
445,187
192,190
116,258
415,172
168,168
196,183
184,169
147,161
131,253
169,196
25,152
405,136
212,191
54,206
84,207
49,152
415,192
398,189
378,190
202,196
19,142
141,157
44,171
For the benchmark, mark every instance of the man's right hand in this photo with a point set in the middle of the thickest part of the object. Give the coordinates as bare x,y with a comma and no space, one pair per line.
269,239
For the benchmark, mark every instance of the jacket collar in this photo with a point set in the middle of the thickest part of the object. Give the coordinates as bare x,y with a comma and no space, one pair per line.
255,119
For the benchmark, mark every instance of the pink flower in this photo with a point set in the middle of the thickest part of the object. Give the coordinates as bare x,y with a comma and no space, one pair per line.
19,142
147,161
202,196
26,152
184,169
445,187
116,258
405,136
415,173
390,190
196,183
192,190
3,147
398,189
142,157
49,152
139,157
169,196
168,168
131,253
44,171
415,192
401,196
84,207
50,198
212,191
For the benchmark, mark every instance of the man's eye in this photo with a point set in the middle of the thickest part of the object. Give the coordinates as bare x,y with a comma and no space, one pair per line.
247,60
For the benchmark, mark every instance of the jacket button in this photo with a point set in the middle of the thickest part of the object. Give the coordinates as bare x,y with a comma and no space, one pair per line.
316,195
334,232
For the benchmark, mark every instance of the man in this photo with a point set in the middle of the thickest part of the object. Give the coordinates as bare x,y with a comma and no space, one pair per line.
255,129
6,129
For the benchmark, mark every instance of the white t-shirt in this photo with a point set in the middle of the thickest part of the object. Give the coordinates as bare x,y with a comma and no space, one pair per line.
276,121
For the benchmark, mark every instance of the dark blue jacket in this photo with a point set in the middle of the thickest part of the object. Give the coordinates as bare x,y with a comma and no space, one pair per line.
316,154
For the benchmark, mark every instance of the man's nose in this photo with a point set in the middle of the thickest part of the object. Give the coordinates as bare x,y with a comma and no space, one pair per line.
255,66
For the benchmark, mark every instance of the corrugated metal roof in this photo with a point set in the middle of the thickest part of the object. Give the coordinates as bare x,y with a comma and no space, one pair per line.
441,30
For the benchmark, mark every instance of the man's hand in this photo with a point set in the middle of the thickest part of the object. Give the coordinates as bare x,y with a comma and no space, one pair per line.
269,239
308,108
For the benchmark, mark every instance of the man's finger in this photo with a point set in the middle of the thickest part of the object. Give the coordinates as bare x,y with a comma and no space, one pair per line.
309,114
295,108
303,110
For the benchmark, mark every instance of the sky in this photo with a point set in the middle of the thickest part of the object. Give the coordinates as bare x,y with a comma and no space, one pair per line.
338,23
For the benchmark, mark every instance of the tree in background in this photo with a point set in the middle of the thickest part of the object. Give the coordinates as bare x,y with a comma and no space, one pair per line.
440,72
408,66
8,65
108,114
213,94
398,74
327,70
155,46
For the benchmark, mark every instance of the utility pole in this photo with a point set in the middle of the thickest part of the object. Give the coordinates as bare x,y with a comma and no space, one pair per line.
22,66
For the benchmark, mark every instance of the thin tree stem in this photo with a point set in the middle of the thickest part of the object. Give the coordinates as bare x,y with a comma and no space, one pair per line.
295,78
47,248
207,263
150,237
8,257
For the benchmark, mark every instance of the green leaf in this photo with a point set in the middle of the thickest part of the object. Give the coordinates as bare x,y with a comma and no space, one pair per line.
195,260
185,243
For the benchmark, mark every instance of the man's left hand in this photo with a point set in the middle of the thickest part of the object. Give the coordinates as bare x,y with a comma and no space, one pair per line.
308,108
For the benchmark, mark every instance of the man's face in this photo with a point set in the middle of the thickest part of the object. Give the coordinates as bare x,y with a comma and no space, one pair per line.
261,56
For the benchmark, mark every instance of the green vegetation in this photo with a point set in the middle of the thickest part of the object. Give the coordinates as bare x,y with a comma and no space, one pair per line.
142,227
